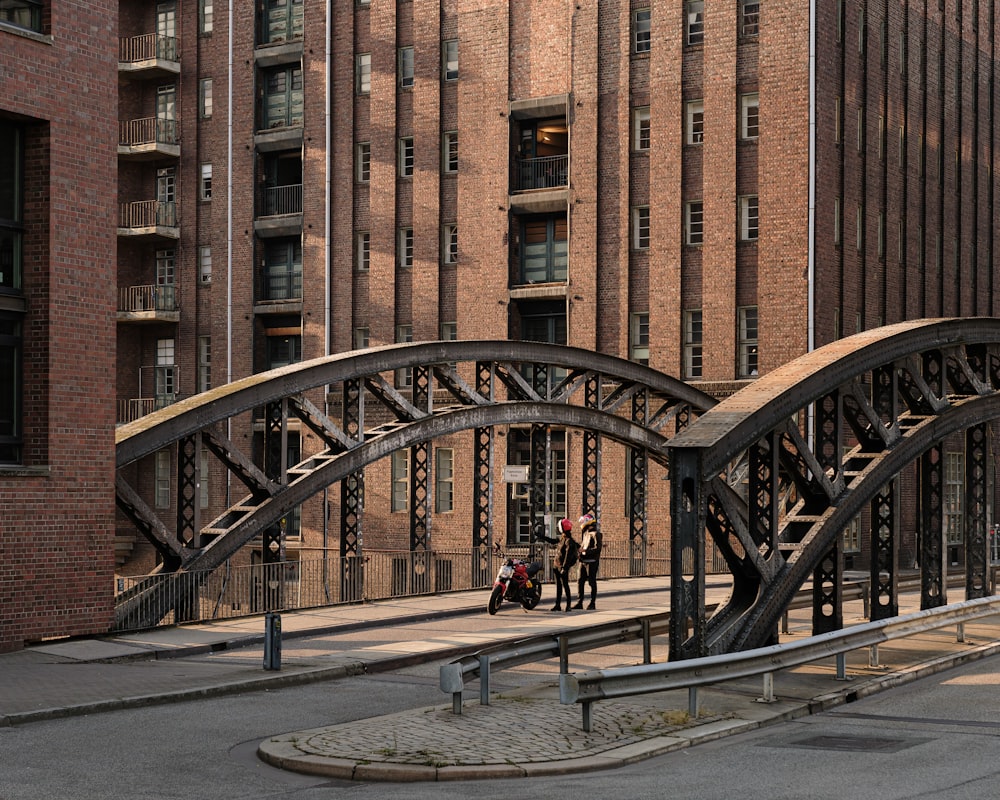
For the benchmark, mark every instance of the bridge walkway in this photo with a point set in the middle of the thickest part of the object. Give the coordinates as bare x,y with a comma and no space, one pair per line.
413,636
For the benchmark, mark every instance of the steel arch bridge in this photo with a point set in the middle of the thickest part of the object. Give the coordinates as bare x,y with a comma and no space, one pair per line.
896,393
456,386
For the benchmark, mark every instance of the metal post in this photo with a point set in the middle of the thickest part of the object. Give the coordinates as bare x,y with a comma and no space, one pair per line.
272,641
647,643
484,680
693,702
841,667
767,695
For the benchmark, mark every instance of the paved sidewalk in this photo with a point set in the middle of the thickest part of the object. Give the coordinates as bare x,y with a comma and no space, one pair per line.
524,731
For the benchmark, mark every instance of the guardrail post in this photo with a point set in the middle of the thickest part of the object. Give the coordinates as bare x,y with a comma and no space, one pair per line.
587,720
767,695
563,654
484,680
841,667
873,656
784,622
456,702
960,632
647,642
693,702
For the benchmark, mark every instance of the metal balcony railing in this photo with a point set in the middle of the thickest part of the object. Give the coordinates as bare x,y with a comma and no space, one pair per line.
147,214
147,298
548,172
147,47
278,200
149,130
131,409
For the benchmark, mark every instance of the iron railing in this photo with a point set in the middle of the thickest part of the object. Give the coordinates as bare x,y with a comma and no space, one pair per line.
245,590
147,214
278,200
146,47
148,130
548,172
147,298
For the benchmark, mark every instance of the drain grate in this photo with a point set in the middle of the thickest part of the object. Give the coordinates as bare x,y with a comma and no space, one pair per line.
856,744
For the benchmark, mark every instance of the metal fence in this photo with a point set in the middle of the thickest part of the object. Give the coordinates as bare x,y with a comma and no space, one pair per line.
245,590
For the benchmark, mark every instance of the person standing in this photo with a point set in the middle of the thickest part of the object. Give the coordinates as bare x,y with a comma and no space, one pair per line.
590,558
567,550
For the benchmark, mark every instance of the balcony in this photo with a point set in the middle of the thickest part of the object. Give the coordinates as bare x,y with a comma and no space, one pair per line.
279,211
131,409
148,139
148,56
148,304
148,219
540,184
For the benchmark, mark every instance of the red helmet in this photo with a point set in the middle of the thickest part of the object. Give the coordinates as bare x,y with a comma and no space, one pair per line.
565,525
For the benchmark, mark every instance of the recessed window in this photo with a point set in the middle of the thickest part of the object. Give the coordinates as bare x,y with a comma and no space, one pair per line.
363,73
406,157
449,60
360,338
204,363
400,480
694,223
283,98
444,480
640,228
161,478
205,190
749,218
449,244
747,343
205,263
206,98
641,31
639,338
692,344
404,377
406,67
363,162
363,246
694,30
640,128
22,13
543,249
449,147
405,247
750,116
695,122
206,17
749,17
283,269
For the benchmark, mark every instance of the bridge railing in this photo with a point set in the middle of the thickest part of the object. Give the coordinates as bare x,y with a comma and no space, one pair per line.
587,688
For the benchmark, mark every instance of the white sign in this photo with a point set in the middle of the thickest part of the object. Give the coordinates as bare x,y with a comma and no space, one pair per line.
515,473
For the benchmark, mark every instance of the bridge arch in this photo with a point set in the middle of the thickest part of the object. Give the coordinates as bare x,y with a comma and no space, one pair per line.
824,437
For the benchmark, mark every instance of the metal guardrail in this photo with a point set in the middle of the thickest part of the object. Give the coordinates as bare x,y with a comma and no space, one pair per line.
589,687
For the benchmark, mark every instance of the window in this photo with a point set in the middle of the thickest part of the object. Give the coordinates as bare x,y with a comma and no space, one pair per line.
206,98
205,17
641,31
444,480
400,480
166,102
205,187
22,13
954,491
282,99
640,128
749,218
449,154
11,412
165,373
520,453
360,338
203,478
363,73
404,377
405,67
283,349
640,228
404,244
695,122
747,341
163,294
363,246
283,269
449,331
11,208
363,162
205,263
406,157
204,363
449,244
750,116
544,249
281,21
162,478
692,344
694,222
837,224
639,338
449,59
749,17
695,21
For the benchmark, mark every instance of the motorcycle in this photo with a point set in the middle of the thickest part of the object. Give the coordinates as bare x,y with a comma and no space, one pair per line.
517,582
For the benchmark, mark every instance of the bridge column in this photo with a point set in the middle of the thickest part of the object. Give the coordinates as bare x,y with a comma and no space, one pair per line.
352,493
885,523
188,520
276,468
688,511
591,494
977,558
638,478
482,486
933,569
539,487
420,492
828,594
763,501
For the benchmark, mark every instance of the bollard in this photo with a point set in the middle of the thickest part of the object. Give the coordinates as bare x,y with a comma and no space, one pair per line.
272,641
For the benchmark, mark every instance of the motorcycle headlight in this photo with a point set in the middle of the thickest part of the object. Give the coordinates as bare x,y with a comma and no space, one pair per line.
506,571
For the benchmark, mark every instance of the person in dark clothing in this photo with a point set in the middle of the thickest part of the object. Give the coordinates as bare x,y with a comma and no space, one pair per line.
590,558
566,555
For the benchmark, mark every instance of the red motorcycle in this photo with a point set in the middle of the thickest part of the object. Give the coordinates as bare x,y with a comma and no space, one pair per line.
516,582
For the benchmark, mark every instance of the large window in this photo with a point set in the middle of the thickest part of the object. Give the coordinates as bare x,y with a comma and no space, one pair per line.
444,480
11,218
954,493
11,346
749,17
640,128
166,373
283,269
639,338
282,97
363,162
750,115
449,151
519,442
400,480
363,73
694,125
749,218
404,247
283,348
695,21
449,59
694,222
640,228
544,249
747,343
406,157
406,67
692,344
23,13
281,21
641,31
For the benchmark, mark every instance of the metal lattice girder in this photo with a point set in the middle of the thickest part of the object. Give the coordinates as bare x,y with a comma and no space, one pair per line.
884,523
352,487
977,583
933,570
482,484
688,509
592,452
538,483
638,478
189,490
828,591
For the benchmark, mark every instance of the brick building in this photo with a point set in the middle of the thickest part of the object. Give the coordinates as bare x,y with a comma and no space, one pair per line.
716,187
58,87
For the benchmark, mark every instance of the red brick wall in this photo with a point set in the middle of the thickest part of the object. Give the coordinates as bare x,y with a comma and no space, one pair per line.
56,514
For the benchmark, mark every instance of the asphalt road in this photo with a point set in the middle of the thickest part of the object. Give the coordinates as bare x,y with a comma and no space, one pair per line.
935,738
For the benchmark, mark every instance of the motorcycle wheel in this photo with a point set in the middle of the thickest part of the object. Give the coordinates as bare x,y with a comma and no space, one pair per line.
532,597
496,597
